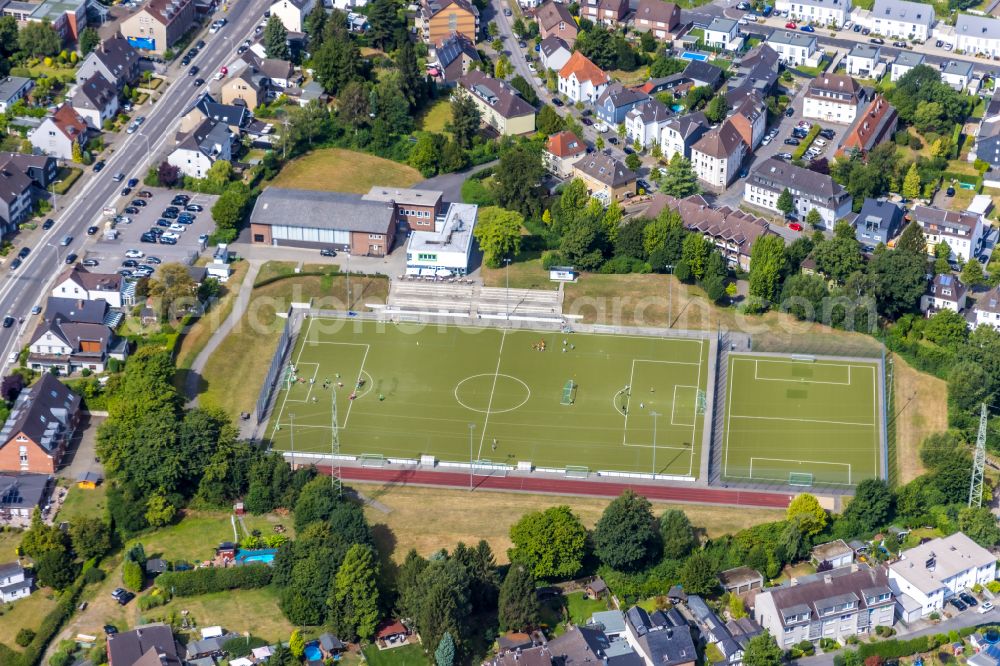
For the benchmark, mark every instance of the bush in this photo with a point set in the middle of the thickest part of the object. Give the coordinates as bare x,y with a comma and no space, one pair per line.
894,649
210,579
93,575
155,599
24,637
993,586
934,616
806,142
551,258
915,142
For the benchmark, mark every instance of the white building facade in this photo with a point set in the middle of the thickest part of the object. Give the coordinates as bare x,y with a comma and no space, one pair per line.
821,12
932,573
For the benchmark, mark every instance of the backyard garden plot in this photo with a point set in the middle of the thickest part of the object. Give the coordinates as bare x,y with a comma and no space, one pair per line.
558,400
802,420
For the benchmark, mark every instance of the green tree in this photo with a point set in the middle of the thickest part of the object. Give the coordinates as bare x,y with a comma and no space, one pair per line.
133,576
89,39
947,328
871,507
356,593
90,537
911,183
517,177
806,511
384,22
159,511
681,180
839,257
785,203
767,261
229,209
762,650
938,447
972,273
413,80
814,219
548,121
498,233
337,63
444,655
518,609
174,288
968,385
717,109
912,240
802,296
41,538
677,534
76,151
980,525
55,568
297,644
899,280
698,575
632,161
465,119
424,157
551,544
625,537
39,39
276,39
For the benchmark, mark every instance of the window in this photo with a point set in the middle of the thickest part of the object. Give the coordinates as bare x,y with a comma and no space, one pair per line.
374,236
426,256
258,238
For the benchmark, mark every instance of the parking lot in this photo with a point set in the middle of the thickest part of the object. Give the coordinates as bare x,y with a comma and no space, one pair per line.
111,253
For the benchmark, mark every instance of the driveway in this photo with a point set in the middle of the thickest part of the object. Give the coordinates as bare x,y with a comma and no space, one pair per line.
451,183
81,455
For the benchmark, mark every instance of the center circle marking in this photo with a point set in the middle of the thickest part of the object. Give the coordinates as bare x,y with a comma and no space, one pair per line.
487,380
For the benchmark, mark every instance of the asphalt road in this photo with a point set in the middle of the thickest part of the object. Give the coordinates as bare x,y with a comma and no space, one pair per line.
20,290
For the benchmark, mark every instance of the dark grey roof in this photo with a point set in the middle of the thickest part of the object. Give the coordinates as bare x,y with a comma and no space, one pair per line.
157,565
792,38
758,69
811,597
620,96
72,309
690,124
552,13
958,68
589,645
11,569
551,44
650,111
720,142
452,47
979,27
904,11
909,59
868,51
330,642
72,333
22,491
128,647
207,137
777,173
231,114
13,182
722,25
322,210
605,169
657,11
11,86
879,215
197,273
500,95
117,55
42,412
663,643
94,93
703,72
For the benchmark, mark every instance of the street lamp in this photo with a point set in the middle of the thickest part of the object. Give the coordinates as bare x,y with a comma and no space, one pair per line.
52,192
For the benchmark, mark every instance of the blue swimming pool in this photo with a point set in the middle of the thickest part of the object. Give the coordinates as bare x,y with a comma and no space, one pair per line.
700,57
312,652
676,108
263,556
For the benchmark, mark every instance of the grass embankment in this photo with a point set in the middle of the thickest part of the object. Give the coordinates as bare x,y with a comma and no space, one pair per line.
340,170
920,412
201,331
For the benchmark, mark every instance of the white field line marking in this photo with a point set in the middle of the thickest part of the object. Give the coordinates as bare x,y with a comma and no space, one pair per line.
489,405
694,421
789,418
281,411
628,404
361,371
800,462
311,384
757,377
673,406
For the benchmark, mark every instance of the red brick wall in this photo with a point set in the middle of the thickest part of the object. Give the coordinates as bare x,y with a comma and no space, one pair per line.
261,229
361,244
38,460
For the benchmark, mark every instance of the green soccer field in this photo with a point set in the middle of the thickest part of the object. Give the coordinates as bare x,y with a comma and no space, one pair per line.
801,422
417,388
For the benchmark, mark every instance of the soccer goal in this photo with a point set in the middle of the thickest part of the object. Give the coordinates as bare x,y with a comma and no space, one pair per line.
804,479
701,402
577,471
569,393
372,460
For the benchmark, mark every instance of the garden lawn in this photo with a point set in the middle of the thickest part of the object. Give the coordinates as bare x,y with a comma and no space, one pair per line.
198,335
580,609
436,117
255,611
408,655
65,178
340,170
523,275
25,613
195,537
9,541
83,503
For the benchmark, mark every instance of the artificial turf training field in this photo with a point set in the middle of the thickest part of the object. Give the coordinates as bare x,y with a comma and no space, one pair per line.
800,422
422,385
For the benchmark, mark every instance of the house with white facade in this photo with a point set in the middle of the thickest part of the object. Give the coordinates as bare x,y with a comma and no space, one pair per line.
809,189
836,553
835,604
196,151
796,48
933,572
717,156
862,60
96,100
819,12
900,19
79,283
904,62
957,74
986,311
978,34
962,231
445,251
562,151
833,98
14,582
580,80
292,13
645,122
12,89
945,292
723,33
57,133
682,132
554,53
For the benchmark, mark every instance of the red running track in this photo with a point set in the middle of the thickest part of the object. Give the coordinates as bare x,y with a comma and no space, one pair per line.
566,487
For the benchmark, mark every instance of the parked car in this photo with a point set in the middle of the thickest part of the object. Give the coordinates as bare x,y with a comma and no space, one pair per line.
194,208
180,200
14,265
948,47
507,12
177,227
145,194
827,134
71,257
956,604
167,240
900,45
866,31
131,210
66,240
939,43
807,28
134,254
969,600
25,251
8,321
986,607
783,156
90,263
141,203
791,25
789,112
92,230
130,263
125,273
203,238
48,223
877,40
795,226
126,191
147,238
792,141
557,101
156,261
587,121
185,61
99,166
950,192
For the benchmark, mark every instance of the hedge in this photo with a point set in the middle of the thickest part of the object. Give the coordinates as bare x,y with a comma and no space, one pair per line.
806,142
895,649
212,579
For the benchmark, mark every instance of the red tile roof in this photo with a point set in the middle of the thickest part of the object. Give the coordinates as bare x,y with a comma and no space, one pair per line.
584,70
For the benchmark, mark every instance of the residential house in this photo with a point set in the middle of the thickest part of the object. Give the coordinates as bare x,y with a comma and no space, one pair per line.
456,55
723,33
758,69
717,156
114,59
901,19
15,197
663,18
833,98
645,121
703,74
280,74
554,53
682,132
582,645
809,189
313,219
146,645
159,24
659,639
904,62
78,283
986,310
69,346
580,80
819,12
66,17
96,101
249,87
741,580
987,146
444,251
862,60
877,223
196,151
330,645
57,133
616,101
21,493
730,639
835,553
12,89
877,124
962,231
292,13
513,641
41,169
554,20
796,49
562,151
539,655
499,104
208,646
611,622
605,177
748,115
235,116
39,427
416,210
937,570
437,19
597,588
604,12
978,34
945,292
957,74
14,582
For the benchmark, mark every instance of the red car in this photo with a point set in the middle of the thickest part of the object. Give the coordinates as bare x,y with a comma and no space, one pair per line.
791,25
795,226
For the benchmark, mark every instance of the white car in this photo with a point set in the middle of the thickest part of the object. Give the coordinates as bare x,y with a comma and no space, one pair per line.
171,234
531,67
820,142
177,227
986,607
135,254
767,140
